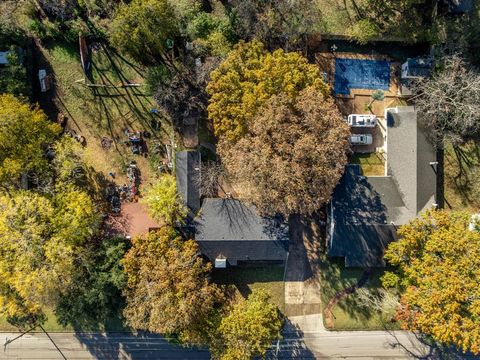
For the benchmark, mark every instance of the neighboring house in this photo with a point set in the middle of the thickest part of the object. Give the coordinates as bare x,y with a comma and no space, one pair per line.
188,170
366,211
229,232
417,68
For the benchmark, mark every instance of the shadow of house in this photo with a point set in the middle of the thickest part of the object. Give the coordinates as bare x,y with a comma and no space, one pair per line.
230,232
366,211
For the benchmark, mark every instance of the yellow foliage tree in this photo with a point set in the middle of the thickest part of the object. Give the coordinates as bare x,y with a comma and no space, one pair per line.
24,134
247,78
438,259
40,246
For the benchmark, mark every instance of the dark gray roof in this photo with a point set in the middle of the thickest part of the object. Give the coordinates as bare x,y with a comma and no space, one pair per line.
187,168
230,228
365,211
418,67
457,6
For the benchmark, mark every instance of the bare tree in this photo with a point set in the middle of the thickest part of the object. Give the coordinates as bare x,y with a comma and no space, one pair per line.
211,179
449,102
383,300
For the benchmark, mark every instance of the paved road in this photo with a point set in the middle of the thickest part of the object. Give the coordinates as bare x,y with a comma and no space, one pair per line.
296,345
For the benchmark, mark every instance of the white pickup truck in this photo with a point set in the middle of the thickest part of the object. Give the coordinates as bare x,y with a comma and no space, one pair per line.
362,120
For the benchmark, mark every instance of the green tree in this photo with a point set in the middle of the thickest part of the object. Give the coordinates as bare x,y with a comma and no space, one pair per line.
13,78
141,29
247,78
163,201
94,297
41,243
293,156
249,329
439,275
24,135
167,286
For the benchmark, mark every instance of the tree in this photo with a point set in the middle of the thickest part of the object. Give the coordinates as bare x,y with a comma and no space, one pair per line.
247,78
167,286
13,78
95,294
249,329
449,102
293,156
24,135
41,244
438,276
163,201
213,173
407,19
277,23
141,29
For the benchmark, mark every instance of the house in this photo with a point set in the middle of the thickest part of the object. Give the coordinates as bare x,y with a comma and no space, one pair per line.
231,233
188,171
366,211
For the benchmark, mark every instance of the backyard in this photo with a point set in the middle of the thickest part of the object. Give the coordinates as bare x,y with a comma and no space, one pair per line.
372,164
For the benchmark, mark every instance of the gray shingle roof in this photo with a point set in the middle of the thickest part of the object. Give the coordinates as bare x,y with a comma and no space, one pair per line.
365,211
230,228
187,168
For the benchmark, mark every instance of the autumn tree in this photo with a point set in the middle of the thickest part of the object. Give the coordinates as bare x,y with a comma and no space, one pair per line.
438,275
167,286
24,136
247,78
141,29
41,244
249,328
407,19
293,155
164,203
449,102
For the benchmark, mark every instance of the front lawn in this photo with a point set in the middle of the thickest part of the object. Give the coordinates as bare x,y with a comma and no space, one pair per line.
245,279
348,314
372,164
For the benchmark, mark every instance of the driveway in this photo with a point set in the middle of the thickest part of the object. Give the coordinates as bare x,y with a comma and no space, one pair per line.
302,280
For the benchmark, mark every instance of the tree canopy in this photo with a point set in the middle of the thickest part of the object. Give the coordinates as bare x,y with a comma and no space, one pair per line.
247,78
41,241
449,102
141,29
24,135
167,286
164,203
293,155
249,329
439,275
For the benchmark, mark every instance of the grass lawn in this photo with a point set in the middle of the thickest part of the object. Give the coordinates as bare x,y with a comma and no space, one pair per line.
245,279
52,325
462,183
95,112
372,164
347,313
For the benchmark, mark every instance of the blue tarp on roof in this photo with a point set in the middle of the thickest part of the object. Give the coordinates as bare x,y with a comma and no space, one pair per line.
361,74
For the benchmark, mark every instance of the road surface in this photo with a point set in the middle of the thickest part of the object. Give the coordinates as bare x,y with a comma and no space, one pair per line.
302,346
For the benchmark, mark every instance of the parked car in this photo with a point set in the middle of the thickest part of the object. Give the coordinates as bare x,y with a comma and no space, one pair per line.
361,139
362,120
